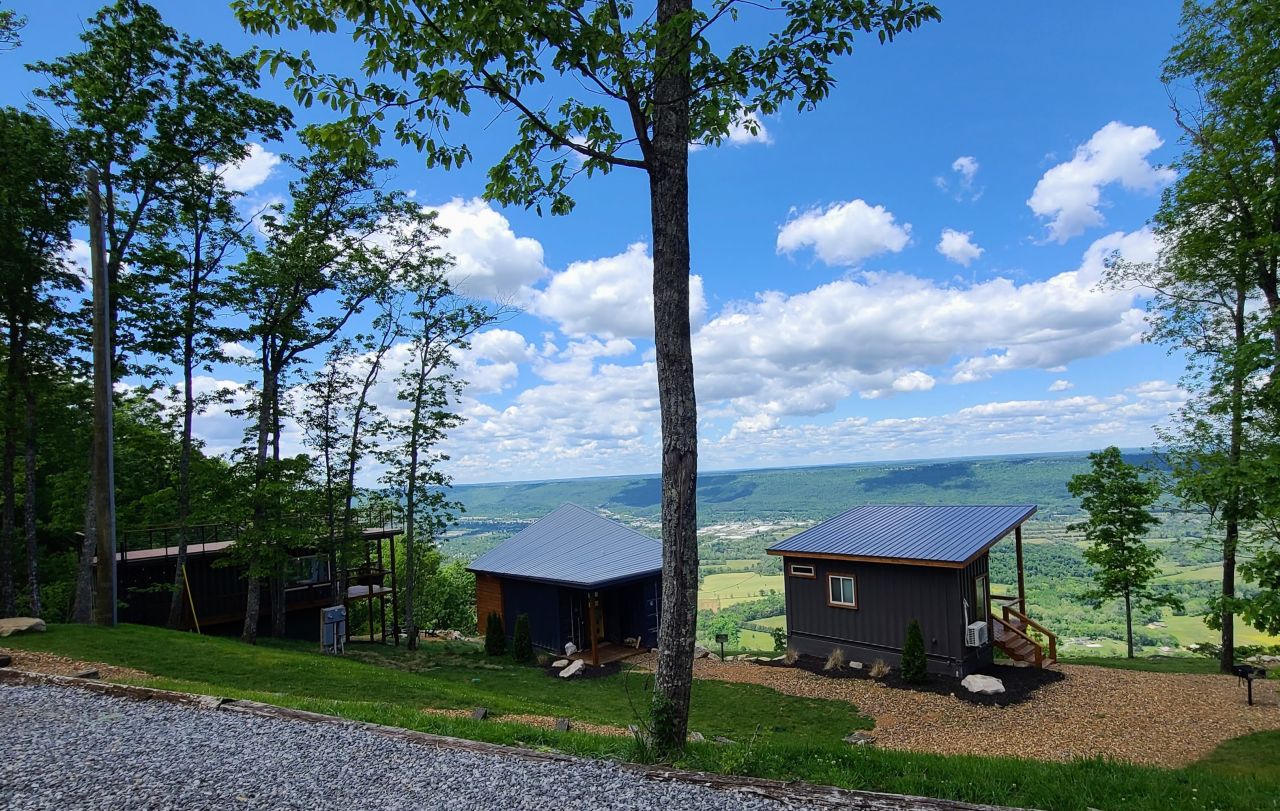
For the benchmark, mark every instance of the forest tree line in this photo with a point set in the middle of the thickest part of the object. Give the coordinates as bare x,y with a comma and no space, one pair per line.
309,295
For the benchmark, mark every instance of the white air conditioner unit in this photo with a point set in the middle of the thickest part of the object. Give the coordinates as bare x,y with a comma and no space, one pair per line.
975,634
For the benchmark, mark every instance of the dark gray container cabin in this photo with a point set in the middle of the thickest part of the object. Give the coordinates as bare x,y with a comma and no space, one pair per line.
580,578
857,580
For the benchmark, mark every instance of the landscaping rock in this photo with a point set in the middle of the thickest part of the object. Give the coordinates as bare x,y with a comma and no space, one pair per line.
710,657
562,725
853,665
700,652
479,713
860,738
559,663
573,669
87,674
720,739
20,625
696,737
570,649
986,685
5,660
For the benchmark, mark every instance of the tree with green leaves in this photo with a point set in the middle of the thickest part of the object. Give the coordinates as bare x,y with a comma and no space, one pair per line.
521,642
1221,77
10,24
594,87
439,324
147,106
39,202
1116,496
323,259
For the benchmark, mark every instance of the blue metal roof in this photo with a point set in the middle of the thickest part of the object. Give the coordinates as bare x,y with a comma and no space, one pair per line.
574,547
950,535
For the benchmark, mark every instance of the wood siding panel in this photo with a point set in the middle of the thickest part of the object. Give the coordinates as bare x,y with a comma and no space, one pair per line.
488,599
889,597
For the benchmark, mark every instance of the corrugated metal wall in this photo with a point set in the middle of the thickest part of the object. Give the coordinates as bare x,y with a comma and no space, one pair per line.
889,597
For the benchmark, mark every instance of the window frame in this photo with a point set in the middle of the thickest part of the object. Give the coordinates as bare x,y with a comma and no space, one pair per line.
850,576
982,593
813,570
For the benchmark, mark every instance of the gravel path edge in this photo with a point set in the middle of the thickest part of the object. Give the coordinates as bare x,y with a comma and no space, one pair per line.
796,793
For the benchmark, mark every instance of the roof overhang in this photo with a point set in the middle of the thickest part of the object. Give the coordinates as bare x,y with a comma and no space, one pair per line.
571,584
943,564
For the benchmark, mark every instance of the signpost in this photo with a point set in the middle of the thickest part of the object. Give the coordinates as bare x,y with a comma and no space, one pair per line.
722,638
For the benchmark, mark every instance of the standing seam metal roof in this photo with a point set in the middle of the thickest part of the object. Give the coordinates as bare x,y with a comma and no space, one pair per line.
573,546
948,535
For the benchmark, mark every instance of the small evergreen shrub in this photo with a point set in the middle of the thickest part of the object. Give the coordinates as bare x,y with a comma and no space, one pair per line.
835,660
779,640
914,668
521,644
495,641
879,669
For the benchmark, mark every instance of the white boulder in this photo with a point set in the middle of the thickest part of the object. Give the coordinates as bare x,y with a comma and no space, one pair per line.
985,685
575,668
700,652
560,663
570,649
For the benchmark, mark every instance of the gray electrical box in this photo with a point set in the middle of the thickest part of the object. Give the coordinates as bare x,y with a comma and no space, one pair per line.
333,629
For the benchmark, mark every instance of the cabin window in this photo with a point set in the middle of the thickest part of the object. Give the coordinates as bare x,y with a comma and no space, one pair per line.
801,570
980,594
843,591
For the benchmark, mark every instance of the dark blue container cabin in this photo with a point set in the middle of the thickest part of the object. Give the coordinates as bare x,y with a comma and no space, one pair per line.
856,581
573,572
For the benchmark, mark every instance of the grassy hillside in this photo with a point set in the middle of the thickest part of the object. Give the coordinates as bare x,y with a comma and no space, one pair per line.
776,736
811,493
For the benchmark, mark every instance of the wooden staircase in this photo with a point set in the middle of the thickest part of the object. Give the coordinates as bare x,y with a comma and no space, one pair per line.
1021,638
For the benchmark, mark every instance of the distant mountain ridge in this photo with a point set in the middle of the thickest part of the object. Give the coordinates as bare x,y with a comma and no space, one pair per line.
809,493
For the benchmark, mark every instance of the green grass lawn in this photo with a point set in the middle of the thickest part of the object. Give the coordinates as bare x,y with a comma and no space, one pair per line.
1155,664
777,736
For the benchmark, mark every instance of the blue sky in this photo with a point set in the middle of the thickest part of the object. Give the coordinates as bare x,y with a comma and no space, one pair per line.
907,272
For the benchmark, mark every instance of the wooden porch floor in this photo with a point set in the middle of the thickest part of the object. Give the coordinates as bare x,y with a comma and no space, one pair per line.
610,652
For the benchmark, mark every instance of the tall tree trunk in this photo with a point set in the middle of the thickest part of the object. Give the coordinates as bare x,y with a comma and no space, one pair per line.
184,481
278,623
82,605
669,209
253,598
29,499
277,579
1128,621
410,528
8,472
1231,510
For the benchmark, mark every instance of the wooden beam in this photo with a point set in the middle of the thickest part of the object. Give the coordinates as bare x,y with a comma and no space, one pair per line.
1022,586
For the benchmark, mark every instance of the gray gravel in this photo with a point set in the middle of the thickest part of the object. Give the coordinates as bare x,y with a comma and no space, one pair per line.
71,749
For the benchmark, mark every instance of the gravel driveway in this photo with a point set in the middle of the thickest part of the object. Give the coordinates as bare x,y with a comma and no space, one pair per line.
71,749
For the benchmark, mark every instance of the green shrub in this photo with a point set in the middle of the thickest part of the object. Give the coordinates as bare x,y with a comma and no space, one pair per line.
495,641
914,669
521,644
779,640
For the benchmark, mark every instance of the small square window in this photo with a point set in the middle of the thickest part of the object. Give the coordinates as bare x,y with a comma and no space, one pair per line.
801,570
843,591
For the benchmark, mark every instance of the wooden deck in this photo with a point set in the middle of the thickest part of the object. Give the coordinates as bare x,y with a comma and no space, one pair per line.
609,652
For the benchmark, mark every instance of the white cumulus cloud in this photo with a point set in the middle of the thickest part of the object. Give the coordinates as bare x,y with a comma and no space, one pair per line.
250,172
1069,195
1061,385
844,233
959,247
610,297
490,260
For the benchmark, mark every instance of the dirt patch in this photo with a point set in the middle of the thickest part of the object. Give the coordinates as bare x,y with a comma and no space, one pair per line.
35,662
1159,719
1020,683
539,721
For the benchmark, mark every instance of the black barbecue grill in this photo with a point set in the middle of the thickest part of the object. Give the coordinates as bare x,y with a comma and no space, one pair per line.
1247,673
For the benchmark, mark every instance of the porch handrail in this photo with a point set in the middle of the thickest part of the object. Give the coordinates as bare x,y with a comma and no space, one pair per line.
1036,646
1050,635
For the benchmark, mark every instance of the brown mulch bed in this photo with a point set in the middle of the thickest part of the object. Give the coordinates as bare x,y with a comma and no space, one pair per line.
1020,683
36,662
1159,719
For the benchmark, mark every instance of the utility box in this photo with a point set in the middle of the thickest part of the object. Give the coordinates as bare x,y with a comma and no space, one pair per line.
333,629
